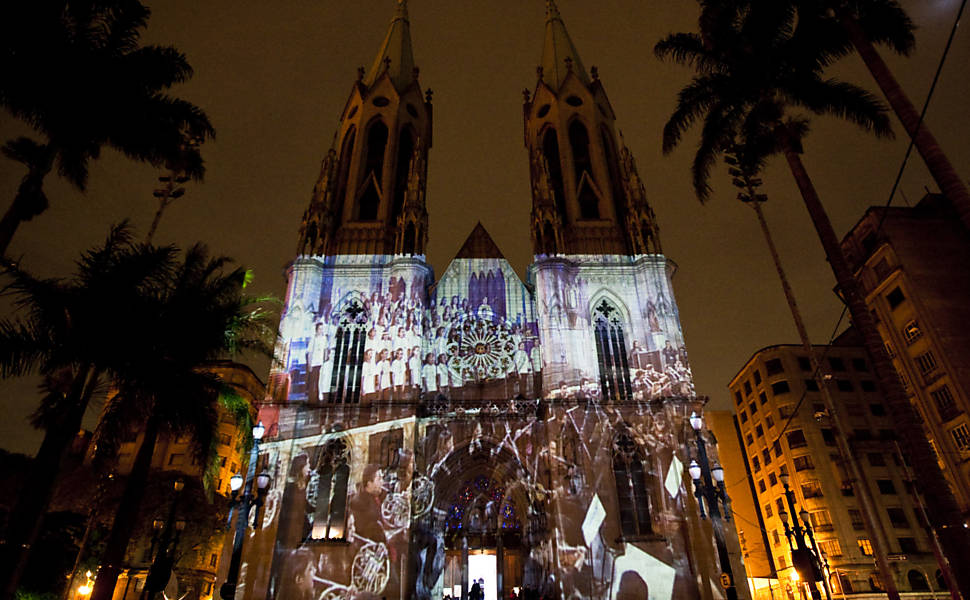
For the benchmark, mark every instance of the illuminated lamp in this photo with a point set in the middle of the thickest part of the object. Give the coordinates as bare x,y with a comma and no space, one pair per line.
805,517
783,515
258,431
718,472
235,482
262,480
696,422
784,479
695,470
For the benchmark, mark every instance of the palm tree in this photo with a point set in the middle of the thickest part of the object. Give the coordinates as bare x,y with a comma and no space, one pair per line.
200,315
753,68
75,72
71,331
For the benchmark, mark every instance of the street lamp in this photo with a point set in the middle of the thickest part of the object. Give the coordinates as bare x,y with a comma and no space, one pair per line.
709,489
164,557
243,505
804,557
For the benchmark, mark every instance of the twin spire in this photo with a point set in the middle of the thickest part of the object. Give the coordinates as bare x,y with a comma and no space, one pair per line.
559,55
396,54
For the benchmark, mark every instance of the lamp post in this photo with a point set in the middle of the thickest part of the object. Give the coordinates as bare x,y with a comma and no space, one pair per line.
709,489
243,505
804,560
164,555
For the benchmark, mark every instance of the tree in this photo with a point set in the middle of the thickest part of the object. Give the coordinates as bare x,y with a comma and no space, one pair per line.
753,67
75,72
199,315
77,333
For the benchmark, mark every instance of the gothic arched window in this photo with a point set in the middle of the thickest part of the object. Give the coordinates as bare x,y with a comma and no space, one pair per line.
632,493
348,354
550,149
616,181
611,352
583,169
343,169
370,199
405,150
330,512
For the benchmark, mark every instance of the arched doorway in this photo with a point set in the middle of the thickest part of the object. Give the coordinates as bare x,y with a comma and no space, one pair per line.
482,525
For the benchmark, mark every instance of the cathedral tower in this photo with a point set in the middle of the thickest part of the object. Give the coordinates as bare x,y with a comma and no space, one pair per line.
370,195
587,197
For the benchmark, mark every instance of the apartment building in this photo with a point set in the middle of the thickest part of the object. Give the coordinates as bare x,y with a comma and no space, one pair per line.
914,264
784,428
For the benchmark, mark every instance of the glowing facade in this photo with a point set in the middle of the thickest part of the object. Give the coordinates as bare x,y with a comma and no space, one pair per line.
424,433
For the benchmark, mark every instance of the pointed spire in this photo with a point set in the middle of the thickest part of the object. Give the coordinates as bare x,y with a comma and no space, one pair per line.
396,55
479,245
559,55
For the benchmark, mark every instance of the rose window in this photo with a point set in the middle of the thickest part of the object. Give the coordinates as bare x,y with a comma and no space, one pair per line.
483,349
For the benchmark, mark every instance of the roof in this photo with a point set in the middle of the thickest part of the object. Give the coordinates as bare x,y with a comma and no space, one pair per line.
397,50
479,245
559,55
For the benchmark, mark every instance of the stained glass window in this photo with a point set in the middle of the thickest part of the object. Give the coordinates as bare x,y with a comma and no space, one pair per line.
611,352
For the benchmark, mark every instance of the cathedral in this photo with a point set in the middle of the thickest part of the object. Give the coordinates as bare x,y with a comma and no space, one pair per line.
475,433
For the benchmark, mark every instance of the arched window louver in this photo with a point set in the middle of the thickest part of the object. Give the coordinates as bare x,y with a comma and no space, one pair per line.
330,512
348,354
611,352
632,493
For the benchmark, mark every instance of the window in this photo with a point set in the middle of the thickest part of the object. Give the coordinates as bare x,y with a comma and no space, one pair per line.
828,436
926,362
759,431
769,421
405,152
213,559
780,504
346,373
860,365
796,439
907,545
830,547
773,366
766,456
897,516
780,387
822,520
768,511
877,410
772,479
631,487
881,268
843,385
775,538
867,385
579,142
855,516
804,364
176,460
944,400
812,489
763,397
225,439
753,408
889,350
747,388
235,468
847,490
776,446
784,412
811,385
911,332
222,461
803,463
761,486
755,464
961,437
368,195
876,459
611,352
865,546
885,486
757,376
836,363
744,417
738,399
895,297
329,516
862,435
750,439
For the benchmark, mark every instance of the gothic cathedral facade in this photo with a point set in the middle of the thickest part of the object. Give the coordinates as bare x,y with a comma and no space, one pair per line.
434,437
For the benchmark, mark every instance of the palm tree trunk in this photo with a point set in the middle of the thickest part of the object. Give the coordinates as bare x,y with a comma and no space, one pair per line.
936,161
27,517
116,546
944,514
859,482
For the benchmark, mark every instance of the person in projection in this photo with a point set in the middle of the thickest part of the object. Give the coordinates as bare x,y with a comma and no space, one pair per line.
315,355
669,353
299,572
365,506
369,375
523,367
414,371
455,379
296,510
444,374
398,369
639,356
429,375
485,312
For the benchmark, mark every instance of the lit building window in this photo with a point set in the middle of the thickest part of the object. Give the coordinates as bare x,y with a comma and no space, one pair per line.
632,487
926,362
961,437
911,332
611,352
865,546
830,547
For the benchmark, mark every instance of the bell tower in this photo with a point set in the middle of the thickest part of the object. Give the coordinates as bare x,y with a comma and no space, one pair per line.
370,195
587,197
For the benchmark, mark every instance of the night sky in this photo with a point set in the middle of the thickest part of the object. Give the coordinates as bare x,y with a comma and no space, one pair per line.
274,76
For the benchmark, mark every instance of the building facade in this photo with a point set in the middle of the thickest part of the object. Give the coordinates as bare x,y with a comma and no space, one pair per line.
914,264
426,434
784,428
194,574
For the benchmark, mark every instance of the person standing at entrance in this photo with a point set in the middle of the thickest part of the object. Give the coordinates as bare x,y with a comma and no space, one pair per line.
476,593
